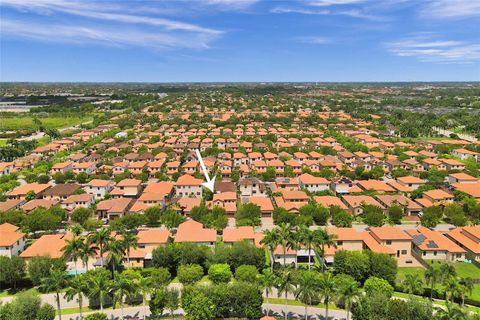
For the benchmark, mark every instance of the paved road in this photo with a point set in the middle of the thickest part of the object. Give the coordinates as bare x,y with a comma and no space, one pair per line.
293,312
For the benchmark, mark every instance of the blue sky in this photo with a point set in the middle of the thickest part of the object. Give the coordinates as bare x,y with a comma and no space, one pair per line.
240,40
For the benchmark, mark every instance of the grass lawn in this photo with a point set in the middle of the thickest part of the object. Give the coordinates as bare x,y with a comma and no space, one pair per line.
291,302
7,293
435,301
464,270
403,271
26,122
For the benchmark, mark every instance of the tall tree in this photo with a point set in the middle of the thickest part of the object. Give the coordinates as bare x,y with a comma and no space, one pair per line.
99,285
86,252
270,241
116,251
72,250
432,276
123,287
323,238
349,293
308,239
286,239
267,281
77,287
145,287
328,289
466,288
56,281
100,237
306,290
129,241
284,284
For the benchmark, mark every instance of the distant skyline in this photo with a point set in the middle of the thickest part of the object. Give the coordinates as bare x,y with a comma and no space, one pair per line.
240,41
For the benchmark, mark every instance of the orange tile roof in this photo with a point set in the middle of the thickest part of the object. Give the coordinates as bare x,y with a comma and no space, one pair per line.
433,241
472,189
23,190
346,234
264,203
153,236
375,246
9,235
376,185
327,201
129,183
390,233
238,234
461,235
193,231
47,245
438,194
188,180
309,179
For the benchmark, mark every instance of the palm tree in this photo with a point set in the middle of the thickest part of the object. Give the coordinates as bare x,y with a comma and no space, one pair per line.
123,287
328,289
323,238
72,249
447,271
450,312
307,238
284,285
452,289
267,282
286,239
116,250
100,237
86,252
432,276
413,283
306,290
77,287
129,241
466,288
349,293
99,285
270,241
144,285
56,281
76,229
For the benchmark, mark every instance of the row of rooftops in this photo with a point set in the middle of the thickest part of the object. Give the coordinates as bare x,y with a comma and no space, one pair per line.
378,239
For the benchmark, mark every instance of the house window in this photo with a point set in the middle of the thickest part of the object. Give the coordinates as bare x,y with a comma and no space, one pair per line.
339,243
434,253
389,242
404,251
424,253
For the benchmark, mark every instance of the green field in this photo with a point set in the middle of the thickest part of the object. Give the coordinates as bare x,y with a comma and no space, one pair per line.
26,122
464,270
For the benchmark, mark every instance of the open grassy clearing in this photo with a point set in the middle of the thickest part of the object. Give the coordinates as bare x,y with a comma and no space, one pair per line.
26,122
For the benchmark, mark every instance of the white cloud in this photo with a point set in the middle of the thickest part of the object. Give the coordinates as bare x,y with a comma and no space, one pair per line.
326,3
350,13
452,9
116,25
231,4
431,50
314,40
80,34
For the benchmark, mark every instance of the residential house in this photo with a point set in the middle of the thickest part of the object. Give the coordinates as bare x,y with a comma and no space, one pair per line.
194,232
433,245
12,241
188,186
